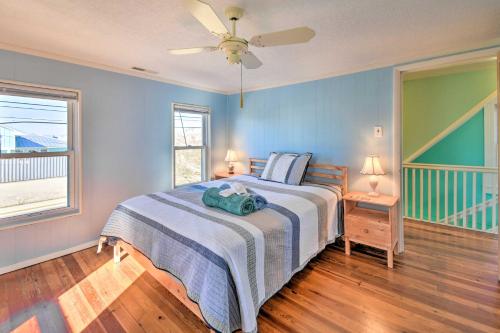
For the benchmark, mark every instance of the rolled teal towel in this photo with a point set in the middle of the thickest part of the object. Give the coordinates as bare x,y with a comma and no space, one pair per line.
235,204
260,201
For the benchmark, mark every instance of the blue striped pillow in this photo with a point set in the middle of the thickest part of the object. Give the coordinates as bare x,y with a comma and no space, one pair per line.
287,168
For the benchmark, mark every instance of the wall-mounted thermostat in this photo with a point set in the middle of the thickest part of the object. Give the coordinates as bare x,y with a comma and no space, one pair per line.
377,131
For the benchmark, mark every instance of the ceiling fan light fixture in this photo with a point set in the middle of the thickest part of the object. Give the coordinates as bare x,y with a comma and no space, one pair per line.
233,57
233,47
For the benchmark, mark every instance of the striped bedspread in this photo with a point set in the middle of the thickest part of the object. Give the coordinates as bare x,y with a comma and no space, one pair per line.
230,265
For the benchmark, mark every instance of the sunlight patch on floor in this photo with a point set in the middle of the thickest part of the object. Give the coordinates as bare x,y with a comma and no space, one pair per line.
29,326
83,303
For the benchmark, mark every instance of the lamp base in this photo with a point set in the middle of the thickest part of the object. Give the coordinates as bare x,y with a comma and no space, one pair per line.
230,169
373,185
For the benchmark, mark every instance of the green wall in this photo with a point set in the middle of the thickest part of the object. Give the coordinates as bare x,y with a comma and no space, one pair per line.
431,104
464,146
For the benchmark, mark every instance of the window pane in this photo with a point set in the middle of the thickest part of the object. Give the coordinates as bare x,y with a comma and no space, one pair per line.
188,129
33,124
188,166
29,185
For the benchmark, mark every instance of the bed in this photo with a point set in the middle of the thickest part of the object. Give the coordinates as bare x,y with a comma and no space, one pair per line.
221,266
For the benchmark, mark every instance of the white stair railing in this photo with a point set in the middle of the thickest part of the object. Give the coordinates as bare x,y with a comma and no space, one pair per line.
451,195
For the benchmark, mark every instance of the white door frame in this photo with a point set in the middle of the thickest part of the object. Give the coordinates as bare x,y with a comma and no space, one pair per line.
490,144
398,119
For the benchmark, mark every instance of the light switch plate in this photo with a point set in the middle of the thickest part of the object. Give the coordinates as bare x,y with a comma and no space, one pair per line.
377,131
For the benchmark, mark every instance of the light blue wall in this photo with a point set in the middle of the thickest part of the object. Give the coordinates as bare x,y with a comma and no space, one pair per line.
126,146
332,118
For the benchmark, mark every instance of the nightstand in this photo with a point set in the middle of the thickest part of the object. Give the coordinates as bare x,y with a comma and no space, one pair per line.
372,227
225,174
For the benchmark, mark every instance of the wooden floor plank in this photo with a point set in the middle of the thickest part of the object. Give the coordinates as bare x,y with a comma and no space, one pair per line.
446,281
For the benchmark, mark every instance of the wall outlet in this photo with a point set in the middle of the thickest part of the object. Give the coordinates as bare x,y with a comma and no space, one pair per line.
377,131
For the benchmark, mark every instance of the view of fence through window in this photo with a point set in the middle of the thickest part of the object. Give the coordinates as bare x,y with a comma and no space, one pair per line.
33,183
189,147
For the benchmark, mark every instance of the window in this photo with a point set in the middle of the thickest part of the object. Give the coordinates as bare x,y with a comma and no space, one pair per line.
39,153
191,144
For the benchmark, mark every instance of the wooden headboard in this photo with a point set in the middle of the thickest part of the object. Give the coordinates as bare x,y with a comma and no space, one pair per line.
325,174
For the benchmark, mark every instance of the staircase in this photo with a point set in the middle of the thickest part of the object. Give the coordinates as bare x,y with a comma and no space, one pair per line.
455,195
483,206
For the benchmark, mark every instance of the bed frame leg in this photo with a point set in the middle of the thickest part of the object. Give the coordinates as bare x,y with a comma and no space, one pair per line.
102,239
116,252
116,249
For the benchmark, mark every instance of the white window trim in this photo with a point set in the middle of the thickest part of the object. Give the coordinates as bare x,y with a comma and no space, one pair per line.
75,161
207,168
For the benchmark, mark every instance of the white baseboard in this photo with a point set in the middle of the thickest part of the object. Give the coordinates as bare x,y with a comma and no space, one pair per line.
50,256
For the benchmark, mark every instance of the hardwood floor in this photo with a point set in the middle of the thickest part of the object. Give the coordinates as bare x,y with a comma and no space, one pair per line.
445,282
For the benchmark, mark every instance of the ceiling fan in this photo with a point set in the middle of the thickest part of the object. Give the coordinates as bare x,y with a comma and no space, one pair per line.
236,48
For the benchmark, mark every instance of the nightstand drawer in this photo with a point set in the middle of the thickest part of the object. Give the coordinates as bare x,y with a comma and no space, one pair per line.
369,227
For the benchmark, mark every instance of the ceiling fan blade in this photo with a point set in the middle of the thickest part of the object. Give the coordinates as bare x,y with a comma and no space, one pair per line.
193,50
285,37
250,61
207,17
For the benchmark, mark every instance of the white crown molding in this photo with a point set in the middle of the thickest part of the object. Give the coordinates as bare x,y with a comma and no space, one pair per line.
401,64
450,59
62,58
50,256
489,63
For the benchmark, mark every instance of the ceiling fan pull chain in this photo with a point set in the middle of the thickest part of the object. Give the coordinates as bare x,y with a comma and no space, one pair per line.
241,85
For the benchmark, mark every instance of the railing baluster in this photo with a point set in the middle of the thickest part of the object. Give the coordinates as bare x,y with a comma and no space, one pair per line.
413,193
496,201
446,196
406,192
494,213
484,208
455,195
494,207
421,188
429,197
473,210
438,194
464,204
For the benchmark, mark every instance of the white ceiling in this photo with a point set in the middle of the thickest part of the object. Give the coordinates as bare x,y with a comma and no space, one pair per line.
351,35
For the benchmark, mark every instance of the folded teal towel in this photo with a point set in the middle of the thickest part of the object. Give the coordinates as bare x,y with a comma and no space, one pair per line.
234,204
260,201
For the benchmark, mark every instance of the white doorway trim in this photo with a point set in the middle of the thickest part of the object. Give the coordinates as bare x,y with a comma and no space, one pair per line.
398,119
490,143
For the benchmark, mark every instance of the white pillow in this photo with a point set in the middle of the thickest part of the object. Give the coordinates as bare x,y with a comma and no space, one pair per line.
287,168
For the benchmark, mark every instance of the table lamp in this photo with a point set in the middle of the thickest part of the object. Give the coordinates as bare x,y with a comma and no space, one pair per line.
372,168
231,157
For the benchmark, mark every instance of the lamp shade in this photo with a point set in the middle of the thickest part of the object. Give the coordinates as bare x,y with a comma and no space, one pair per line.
231,156
372,166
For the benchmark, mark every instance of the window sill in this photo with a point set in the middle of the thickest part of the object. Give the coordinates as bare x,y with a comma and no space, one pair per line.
45,216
